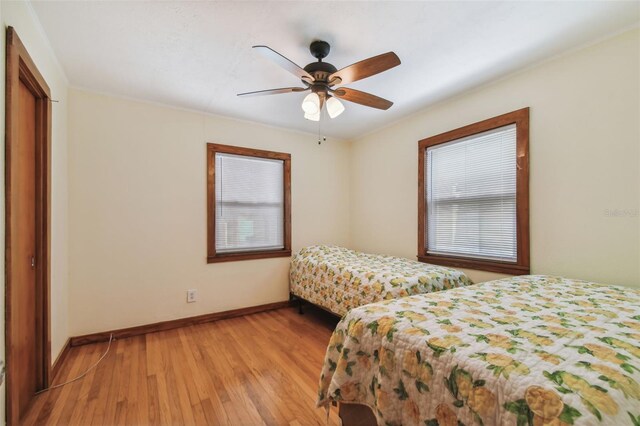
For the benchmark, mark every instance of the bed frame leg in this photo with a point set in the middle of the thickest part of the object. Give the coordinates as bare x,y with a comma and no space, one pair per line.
293,297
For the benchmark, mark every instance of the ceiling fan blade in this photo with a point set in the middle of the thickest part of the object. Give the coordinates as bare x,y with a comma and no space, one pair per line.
362,98
284,62
366,68
274,91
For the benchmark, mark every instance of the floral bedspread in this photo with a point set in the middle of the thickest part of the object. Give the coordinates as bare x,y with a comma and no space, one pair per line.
531,350
339,279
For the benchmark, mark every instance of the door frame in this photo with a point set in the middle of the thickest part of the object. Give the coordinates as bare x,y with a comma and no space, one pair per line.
21,68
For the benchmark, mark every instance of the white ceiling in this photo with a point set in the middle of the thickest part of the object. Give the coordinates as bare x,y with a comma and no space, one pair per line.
198,55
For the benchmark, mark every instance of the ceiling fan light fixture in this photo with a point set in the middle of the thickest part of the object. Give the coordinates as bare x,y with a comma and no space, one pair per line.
320,78
334,107
312,117
311,104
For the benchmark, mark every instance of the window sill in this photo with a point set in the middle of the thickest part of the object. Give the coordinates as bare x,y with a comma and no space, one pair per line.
480,265
248,255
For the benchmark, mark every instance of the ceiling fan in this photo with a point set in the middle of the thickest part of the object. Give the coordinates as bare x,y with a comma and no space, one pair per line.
321,78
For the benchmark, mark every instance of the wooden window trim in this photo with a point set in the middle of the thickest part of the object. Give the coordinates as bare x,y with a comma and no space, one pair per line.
522,266
212,256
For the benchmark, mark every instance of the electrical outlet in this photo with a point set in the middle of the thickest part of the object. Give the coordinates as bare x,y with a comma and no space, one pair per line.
192,296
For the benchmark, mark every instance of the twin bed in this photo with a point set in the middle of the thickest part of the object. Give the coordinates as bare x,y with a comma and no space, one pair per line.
338,279
529,350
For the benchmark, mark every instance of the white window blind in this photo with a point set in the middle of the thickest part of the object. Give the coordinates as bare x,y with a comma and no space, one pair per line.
471,196
249,203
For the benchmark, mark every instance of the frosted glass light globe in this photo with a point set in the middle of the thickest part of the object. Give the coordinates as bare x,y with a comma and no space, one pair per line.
311,103
334,107
313,117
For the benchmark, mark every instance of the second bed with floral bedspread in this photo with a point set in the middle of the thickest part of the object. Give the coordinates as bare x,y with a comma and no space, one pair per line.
532,350
339,279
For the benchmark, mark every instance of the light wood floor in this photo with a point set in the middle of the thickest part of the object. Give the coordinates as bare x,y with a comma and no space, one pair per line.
257,369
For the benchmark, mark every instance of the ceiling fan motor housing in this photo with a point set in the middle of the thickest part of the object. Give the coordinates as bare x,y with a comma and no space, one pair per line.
320,70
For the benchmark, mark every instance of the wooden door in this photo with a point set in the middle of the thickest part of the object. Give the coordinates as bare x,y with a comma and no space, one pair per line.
23,256
27,240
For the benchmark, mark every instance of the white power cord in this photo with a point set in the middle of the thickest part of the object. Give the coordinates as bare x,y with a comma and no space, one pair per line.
83,374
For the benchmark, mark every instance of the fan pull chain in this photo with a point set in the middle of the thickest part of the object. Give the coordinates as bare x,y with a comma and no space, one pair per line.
321,138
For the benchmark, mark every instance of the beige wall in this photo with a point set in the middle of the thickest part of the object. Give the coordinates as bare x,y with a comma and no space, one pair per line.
137,189
20,16
138,212
584,154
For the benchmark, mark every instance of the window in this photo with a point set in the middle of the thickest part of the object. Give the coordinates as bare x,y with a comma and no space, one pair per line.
249,203
473,189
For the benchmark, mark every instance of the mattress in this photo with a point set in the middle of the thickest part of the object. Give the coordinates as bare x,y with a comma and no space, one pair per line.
530,350
339,279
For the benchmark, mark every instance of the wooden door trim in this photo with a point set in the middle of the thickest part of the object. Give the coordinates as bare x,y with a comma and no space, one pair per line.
21,68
